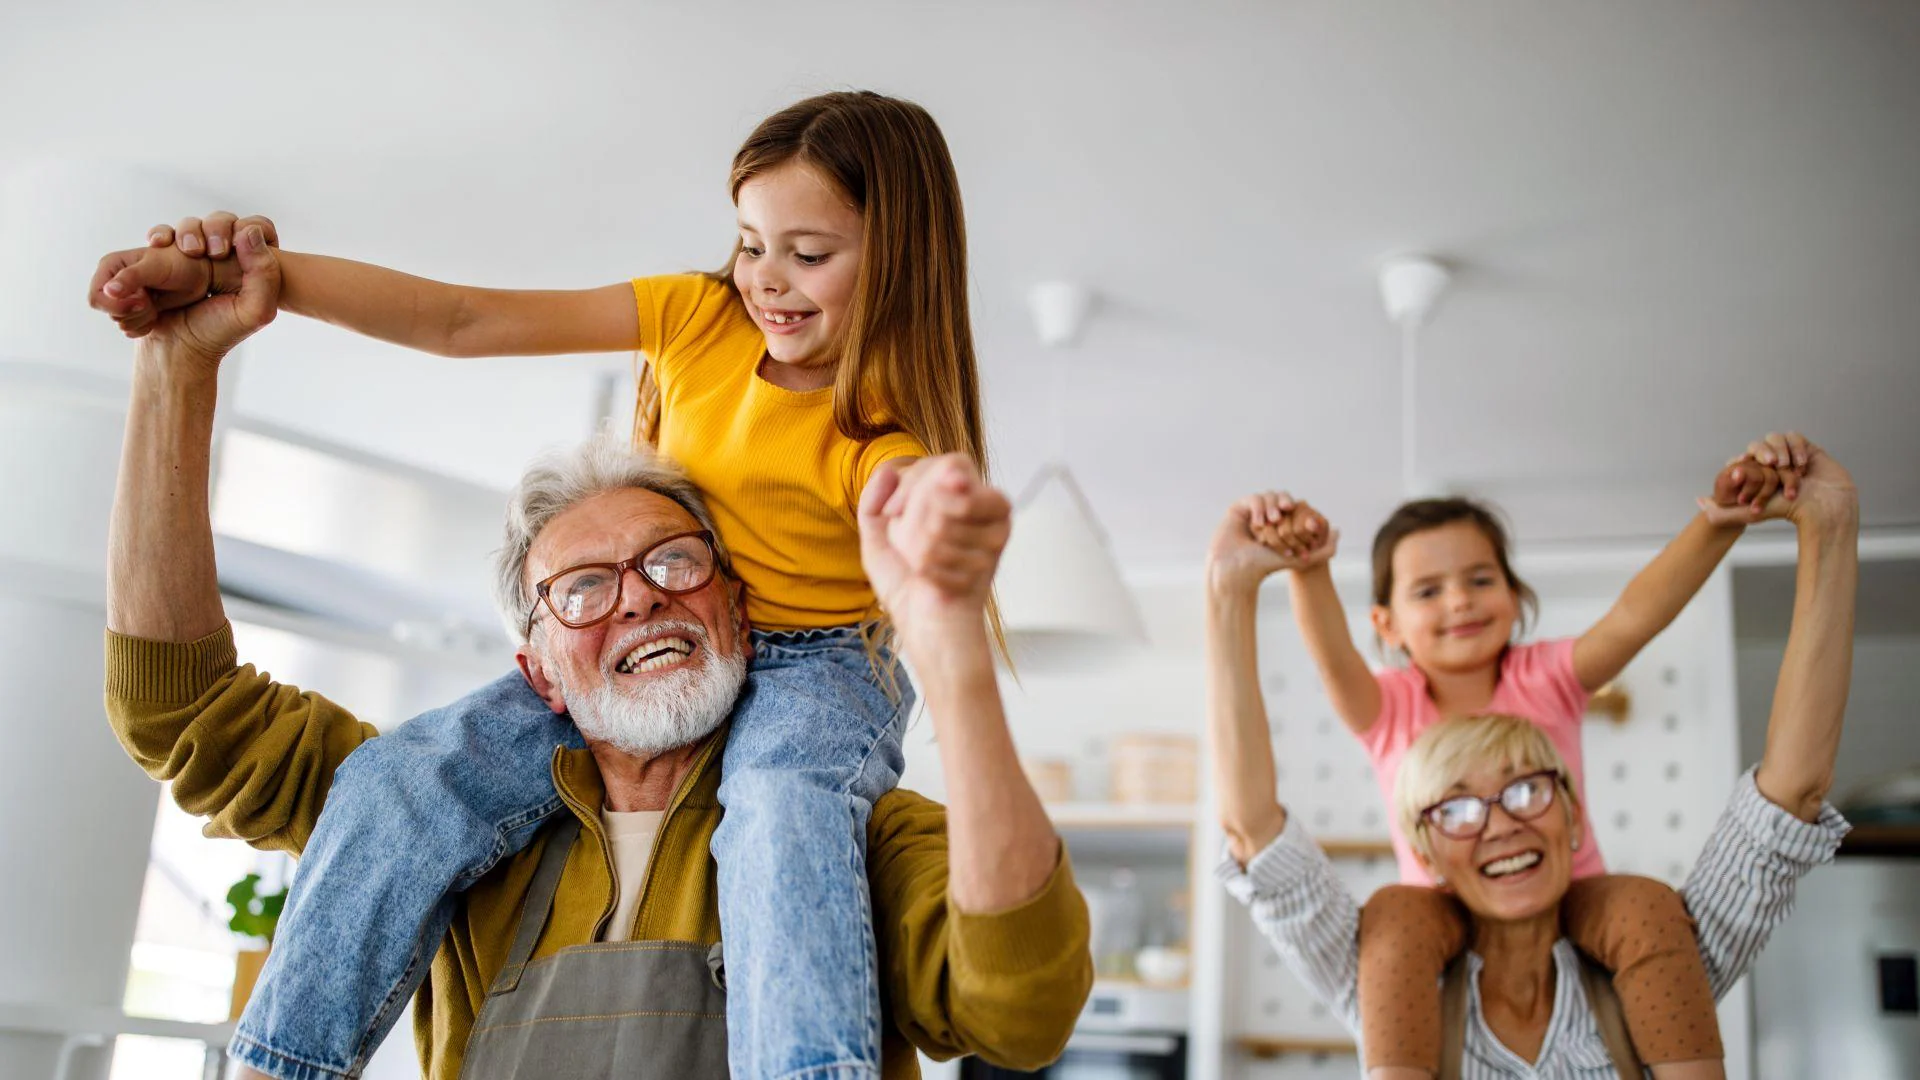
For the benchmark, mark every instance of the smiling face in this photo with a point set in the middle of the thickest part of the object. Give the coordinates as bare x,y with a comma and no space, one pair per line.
1452,607
1514,870
800,244
664,669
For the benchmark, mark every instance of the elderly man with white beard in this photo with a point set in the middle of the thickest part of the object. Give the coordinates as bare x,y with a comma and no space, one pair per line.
575,958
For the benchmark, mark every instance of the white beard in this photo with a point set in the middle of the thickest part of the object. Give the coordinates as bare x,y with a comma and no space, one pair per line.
666,713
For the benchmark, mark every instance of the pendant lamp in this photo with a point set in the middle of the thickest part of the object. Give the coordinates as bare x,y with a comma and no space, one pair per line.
1062,599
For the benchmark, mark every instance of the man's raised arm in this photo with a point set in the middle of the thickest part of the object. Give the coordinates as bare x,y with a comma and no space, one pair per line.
254,757
161,583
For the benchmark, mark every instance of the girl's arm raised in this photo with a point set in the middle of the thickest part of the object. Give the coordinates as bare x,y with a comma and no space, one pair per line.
1303,536
458,320
135,287
1322,619
1651,600
1656,595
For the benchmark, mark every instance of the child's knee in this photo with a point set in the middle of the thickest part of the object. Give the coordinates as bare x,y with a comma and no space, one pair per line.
1404,918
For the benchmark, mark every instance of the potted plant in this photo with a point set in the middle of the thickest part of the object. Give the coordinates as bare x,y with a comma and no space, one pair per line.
255,915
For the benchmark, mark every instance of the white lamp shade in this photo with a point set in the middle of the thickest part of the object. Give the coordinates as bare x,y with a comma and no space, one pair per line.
1059,588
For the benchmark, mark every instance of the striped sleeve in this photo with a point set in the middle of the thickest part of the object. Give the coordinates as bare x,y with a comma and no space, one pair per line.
1743,884
1308,915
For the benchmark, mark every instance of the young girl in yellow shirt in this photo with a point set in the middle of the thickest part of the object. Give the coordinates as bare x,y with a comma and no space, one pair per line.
836,343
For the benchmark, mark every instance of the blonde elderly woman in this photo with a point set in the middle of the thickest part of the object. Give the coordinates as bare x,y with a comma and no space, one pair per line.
1487,803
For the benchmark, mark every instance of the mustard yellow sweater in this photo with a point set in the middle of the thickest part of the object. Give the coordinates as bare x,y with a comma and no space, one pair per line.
256,758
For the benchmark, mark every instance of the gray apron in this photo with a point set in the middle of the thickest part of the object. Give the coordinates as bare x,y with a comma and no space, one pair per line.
636,1010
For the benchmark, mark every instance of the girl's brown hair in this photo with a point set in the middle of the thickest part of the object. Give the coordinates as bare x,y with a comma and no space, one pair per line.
906,360
1422,515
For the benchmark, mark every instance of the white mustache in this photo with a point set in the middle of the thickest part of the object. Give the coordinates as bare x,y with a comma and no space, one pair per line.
626,643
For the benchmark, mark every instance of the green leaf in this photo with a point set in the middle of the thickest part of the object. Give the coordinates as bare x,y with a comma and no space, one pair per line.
254,914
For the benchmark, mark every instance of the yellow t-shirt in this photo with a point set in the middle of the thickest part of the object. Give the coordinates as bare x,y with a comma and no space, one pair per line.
783,483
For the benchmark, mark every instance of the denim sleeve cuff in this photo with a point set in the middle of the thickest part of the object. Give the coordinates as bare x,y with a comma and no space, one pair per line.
1289,861
1016,941
167,672
1772,829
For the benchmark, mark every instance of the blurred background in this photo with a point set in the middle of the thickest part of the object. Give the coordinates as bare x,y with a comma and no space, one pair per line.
1668,229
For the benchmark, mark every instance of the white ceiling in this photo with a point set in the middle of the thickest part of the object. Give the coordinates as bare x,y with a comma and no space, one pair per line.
1677,225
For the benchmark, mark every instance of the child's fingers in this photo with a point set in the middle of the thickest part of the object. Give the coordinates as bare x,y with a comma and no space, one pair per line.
1769,483
1726,486
99,297
160,236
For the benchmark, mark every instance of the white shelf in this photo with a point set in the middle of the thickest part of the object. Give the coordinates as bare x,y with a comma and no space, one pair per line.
1081,816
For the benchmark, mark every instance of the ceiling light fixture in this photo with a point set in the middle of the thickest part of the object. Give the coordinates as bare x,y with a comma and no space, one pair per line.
1060,591
1410,289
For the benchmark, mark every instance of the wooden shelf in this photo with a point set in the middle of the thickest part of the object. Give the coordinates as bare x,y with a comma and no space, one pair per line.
1356,848
1093,815
1882,840
1258,1047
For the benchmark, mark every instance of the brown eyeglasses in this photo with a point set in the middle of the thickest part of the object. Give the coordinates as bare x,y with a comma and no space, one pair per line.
1463,817
580,596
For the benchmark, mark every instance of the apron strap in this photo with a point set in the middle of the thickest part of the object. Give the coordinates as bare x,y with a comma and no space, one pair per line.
1605,1003
533,918
1453,1017
1601,998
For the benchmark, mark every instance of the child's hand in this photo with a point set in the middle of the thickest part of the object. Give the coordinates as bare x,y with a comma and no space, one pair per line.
1265,533
135,287
1772,465
1741,493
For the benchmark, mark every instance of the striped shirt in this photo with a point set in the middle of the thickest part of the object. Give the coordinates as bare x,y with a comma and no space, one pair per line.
1741,888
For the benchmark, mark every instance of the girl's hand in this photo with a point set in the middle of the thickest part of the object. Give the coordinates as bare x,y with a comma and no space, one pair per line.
1741,493
211,236
136,287
1265,533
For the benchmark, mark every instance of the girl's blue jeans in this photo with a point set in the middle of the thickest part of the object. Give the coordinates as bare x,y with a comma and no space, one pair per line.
422,813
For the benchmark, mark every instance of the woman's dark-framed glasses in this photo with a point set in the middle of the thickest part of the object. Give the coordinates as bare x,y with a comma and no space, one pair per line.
1463,817
580,596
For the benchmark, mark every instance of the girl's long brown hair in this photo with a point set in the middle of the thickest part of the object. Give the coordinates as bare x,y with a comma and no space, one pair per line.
906,360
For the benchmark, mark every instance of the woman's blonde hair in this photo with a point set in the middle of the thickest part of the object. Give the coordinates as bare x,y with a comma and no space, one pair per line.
1447,751
907,361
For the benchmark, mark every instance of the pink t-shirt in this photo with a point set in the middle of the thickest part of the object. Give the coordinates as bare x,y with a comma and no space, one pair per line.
1536,682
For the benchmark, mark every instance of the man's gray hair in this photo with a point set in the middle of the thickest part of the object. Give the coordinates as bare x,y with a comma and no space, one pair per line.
558,481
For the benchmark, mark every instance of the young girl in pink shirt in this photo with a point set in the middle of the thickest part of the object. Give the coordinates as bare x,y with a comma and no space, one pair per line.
1445,596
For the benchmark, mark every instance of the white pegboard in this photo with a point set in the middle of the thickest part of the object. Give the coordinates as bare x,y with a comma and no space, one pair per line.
1656,784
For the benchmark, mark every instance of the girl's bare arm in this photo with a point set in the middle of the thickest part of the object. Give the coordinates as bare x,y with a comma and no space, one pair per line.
1344,672
1657,595
458,320
136,286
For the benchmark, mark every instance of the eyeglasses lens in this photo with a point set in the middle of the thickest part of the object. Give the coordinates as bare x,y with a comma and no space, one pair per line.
1528,797
1460,818
679,564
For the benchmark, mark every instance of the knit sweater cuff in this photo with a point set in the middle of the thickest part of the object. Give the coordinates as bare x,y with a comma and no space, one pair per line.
1011,942
167,672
